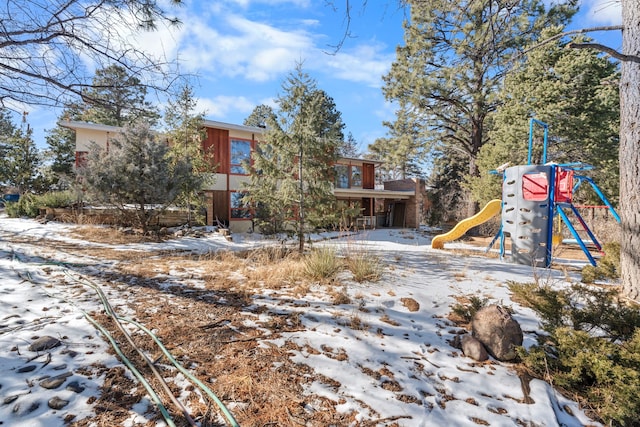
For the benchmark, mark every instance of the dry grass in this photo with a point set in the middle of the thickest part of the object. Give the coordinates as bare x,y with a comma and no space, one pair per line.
107,234
340,296
207,317
385,318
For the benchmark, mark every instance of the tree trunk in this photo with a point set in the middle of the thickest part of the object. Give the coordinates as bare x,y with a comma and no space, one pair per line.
630,152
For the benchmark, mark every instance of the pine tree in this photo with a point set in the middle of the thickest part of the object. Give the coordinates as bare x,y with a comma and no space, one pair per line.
7,134
403,151
21,161
138,171
116,98
185,133
60,153
630,151
445,191
576,93
349,148
260,116
292,174
455,58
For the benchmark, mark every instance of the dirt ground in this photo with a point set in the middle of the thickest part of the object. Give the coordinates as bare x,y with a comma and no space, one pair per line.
211,330
206,330
562,251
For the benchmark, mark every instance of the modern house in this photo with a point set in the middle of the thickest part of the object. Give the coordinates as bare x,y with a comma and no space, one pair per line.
398,203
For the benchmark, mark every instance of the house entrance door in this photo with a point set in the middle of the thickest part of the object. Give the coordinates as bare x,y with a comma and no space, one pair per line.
398,214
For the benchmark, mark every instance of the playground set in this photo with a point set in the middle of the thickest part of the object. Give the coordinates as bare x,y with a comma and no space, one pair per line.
533,196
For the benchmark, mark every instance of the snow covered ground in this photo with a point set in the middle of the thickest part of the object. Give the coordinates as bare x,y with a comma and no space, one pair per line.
397,367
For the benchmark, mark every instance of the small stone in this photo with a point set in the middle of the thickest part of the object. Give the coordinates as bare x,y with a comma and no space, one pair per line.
44,343
473,348
75,387
59,367
10,399
27,368
55,382
33,407
57,403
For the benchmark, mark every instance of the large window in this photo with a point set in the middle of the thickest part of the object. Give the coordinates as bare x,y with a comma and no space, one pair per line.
240,153
239,209
342,176
356,176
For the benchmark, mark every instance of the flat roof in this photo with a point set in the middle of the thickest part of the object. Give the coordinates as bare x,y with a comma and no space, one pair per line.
231,126
73,124
377,194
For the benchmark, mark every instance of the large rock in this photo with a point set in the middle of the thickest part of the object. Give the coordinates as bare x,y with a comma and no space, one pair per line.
500,333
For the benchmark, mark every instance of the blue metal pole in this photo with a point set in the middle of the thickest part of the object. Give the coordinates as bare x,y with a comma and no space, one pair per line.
586,228
576,235
602,197
550,214
530,140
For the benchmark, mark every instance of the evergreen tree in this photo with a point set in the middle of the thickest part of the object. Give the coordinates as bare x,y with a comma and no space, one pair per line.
260,116
185,133
445,191
404,149
60,153
455,58
21,161
576,93
116,98
292,171
138,170
7,134
349,148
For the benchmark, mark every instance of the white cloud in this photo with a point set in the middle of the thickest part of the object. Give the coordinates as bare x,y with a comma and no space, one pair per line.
222,106
297,3
602,12
257,51
364,64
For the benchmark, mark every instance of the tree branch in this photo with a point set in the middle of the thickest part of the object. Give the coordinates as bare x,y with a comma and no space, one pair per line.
568,33
606,49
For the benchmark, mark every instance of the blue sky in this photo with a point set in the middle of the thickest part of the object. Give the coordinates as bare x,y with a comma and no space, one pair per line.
240,51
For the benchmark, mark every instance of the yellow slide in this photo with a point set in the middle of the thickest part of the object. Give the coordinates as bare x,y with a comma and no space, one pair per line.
491,209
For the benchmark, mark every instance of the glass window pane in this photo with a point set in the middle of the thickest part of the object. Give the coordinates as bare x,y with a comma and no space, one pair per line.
342,176
236,200
356,176
240,153
239,209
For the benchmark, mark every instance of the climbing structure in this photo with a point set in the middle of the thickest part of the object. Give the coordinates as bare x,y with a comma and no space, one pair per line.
532,196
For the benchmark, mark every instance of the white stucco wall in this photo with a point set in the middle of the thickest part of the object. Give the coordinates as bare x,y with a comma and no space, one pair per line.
85,138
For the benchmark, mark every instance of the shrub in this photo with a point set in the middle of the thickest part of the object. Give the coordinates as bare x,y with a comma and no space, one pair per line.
322,263
592,350
464,311
607,268
57,199
27,205
549,303
364,266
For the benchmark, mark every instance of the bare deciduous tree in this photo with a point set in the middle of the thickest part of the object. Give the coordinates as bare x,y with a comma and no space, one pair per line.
49,49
